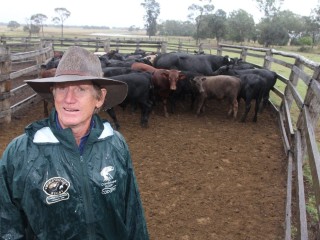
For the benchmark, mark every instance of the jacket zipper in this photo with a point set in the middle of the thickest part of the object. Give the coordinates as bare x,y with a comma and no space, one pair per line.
87,198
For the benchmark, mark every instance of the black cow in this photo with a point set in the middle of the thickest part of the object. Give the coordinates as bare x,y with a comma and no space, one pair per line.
269,76
204,64
114,71
184,91
239,64
52,63
140,92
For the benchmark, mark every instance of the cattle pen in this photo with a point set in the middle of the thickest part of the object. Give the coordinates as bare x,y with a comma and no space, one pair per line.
297,112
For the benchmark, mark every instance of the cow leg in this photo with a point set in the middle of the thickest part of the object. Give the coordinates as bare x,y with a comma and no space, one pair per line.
164,102
255,117
172,102
264,103
145,112
201,102
247,109
112,114
233,108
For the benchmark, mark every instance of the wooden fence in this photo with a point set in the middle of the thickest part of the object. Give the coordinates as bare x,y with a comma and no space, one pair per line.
22,93
102,44
298,127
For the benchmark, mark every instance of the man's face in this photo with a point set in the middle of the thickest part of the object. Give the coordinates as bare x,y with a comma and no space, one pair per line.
75,103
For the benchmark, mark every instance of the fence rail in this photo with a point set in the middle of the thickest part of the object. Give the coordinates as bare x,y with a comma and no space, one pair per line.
298,127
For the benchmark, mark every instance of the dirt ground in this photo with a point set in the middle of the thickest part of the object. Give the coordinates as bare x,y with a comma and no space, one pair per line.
207,177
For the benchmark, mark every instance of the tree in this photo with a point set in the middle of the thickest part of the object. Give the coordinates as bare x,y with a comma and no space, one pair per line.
240,25
312,28
218,24
13,25
63,14
197,13
313,24
176,28
39,20
30,27
272,32
269,7
152,12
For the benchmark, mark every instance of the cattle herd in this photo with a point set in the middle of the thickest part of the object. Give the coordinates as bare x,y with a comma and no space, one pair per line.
166,78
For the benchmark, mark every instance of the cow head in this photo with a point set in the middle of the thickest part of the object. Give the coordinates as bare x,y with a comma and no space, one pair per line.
174,77
221,71
197,82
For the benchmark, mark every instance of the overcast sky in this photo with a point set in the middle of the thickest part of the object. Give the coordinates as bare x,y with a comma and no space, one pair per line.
125,13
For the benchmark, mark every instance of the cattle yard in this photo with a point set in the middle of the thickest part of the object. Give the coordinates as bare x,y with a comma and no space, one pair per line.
297,129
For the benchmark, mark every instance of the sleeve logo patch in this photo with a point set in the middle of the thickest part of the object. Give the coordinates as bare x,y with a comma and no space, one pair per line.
56,188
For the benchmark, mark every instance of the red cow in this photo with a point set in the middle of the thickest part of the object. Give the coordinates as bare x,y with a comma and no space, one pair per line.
163,80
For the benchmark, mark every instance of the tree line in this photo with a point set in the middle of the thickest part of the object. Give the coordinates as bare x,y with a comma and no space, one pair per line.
36,22
275,28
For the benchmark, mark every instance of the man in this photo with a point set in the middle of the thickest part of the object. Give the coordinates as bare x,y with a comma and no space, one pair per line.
70,176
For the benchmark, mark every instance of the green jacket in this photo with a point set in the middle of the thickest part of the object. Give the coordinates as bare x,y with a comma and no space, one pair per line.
49,191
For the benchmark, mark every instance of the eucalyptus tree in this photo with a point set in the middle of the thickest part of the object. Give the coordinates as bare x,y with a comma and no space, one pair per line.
152,12
30,27
218,24
272,32
241,26
13,25
176,28
39,20
63,14
312,28
313,24
198,13
269,7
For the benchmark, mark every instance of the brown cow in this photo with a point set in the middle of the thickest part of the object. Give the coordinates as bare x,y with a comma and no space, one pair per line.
164,81
218,87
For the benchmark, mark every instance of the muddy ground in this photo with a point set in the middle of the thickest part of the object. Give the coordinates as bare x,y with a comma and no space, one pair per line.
207,177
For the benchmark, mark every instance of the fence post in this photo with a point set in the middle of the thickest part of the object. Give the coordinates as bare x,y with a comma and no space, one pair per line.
219,50
243,54
5,85
267,63
164,47
117,44
107,45
138,46
293,78
200,48
179,46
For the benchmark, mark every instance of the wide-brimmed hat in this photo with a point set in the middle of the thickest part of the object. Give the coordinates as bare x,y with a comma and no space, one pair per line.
79,64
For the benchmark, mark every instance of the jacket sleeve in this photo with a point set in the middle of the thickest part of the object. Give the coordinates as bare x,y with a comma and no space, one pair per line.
135,218
11,217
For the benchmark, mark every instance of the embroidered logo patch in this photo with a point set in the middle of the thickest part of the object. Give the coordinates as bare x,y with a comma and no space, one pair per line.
109,185
56,188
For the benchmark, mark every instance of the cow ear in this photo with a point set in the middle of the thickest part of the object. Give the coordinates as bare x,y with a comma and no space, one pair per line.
182,76
166,73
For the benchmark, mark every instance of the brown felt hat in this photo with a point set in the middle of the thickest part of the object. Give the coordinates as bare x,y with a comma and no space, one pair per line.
78,64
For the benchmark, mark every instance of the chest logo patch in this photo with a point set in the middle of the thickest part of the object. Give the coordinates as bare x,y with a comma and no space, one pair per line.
108,184
56,188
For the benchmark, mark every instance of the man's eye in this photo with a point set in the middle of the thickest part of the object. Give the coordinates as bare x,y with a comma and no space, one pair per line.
60,88
80,89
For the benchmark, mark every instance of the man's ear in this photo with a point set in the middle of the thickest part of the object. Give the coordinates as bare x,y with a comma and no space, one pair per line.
103,97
